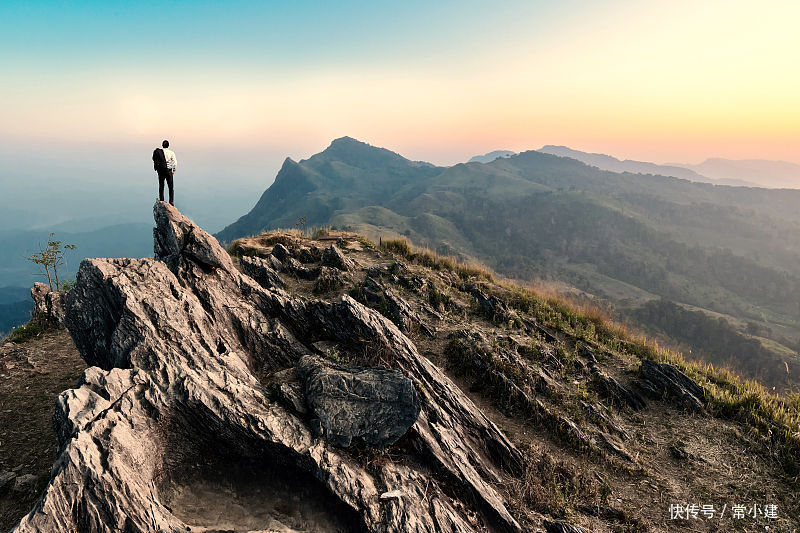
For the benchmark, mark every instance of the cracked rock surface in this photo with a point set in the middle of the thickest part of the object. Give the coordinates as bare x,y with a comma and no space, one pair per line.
172,417
376,405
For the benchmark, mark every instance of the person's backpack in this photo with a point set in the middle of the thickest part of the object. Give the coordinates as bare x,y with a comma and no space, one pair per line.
159,160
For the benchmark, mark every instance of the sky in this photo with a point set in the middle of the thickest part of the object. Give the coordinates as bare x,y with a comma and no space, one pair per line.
88,84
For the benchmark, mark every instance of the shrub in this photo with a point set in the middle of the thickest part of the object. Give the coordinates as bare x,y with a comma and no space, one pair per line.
50,258
26,332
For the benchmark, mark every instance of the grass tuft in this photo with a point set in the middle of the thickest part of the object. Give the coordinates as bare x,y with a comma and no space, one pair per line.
25,333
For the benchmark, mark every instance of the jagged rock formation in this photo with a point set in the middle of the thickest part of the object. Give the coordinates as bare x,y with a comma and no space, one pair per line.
394,306
179,346
48,305
663,380
615,392
260,270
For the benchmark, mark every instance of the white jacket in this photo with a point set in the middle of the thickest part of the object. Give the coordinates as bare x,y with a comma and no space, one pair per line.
172,161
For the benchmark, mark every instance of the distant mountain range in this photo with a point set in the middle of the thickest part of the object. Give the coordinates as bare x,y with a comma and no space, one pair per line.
764,173
15,307
740,173
606,162
631,239
491,156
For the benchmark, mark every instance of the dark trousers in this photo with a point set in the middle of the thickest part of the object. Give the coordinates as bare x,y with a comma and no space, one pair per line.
166,175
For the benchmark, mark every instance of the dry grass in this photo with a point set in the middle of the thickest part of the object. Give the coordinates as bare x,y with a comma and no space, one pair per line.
773,417
430,259
553,487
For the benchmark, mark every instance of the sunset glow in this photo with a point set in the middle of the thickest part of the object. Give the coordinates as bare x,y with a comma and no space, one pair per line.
679,82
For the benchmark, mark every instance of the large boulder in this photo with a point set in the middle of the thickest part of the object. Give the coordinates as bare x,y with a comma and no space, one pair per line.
179,347
374,404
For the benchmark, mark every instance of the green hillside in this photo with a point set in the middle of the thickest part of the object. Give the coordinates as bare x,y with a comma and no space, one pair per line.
732,253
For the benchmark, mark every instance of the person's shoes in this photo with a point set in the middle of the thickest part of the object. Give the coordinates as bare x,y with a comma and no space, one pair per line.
173,205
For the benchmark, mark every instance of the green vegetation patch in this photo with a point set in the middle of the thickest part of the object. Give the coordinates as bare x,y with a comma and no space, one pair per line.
27,332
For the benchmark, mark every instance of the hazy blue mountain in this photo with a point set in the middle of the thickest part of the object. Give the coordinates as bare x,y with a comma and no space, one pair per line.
607,162
17,274
630,239
15,307
124,240
763,173
491,156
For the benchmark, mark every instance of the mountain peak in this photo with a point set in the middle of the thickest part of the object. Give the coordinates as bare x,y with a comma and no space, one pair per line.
347,140
358,153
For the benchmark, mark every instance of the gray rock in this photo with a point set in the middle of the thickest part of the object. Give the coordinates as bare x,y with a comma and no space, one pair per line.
295,268
493,307
615,392
392,495
287,389
393,306
414,283
281,253
48,306
333,257
329,279
671,382
176,344
385,269
261,270
176,242
605,418
292,395
309,255
375,405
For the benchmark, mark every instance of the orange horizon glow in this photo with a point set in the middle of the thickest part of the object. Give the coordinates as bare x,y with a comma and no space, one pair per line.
678,82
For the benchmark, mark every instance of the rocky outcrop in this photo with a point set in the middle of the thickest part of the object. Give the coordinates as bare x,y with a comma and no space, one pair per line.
282,260
665,381
180,347
615,392
375,405
493,307
333,257
329,279
393,306
260,270
48,305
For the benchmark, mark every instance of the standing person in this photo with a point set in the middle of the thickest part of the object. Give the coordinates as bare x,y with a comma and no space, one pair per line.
165,164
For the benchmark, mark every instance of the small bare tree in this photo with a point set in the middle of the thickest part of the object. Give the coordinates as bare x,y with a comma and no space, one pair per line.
50,258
